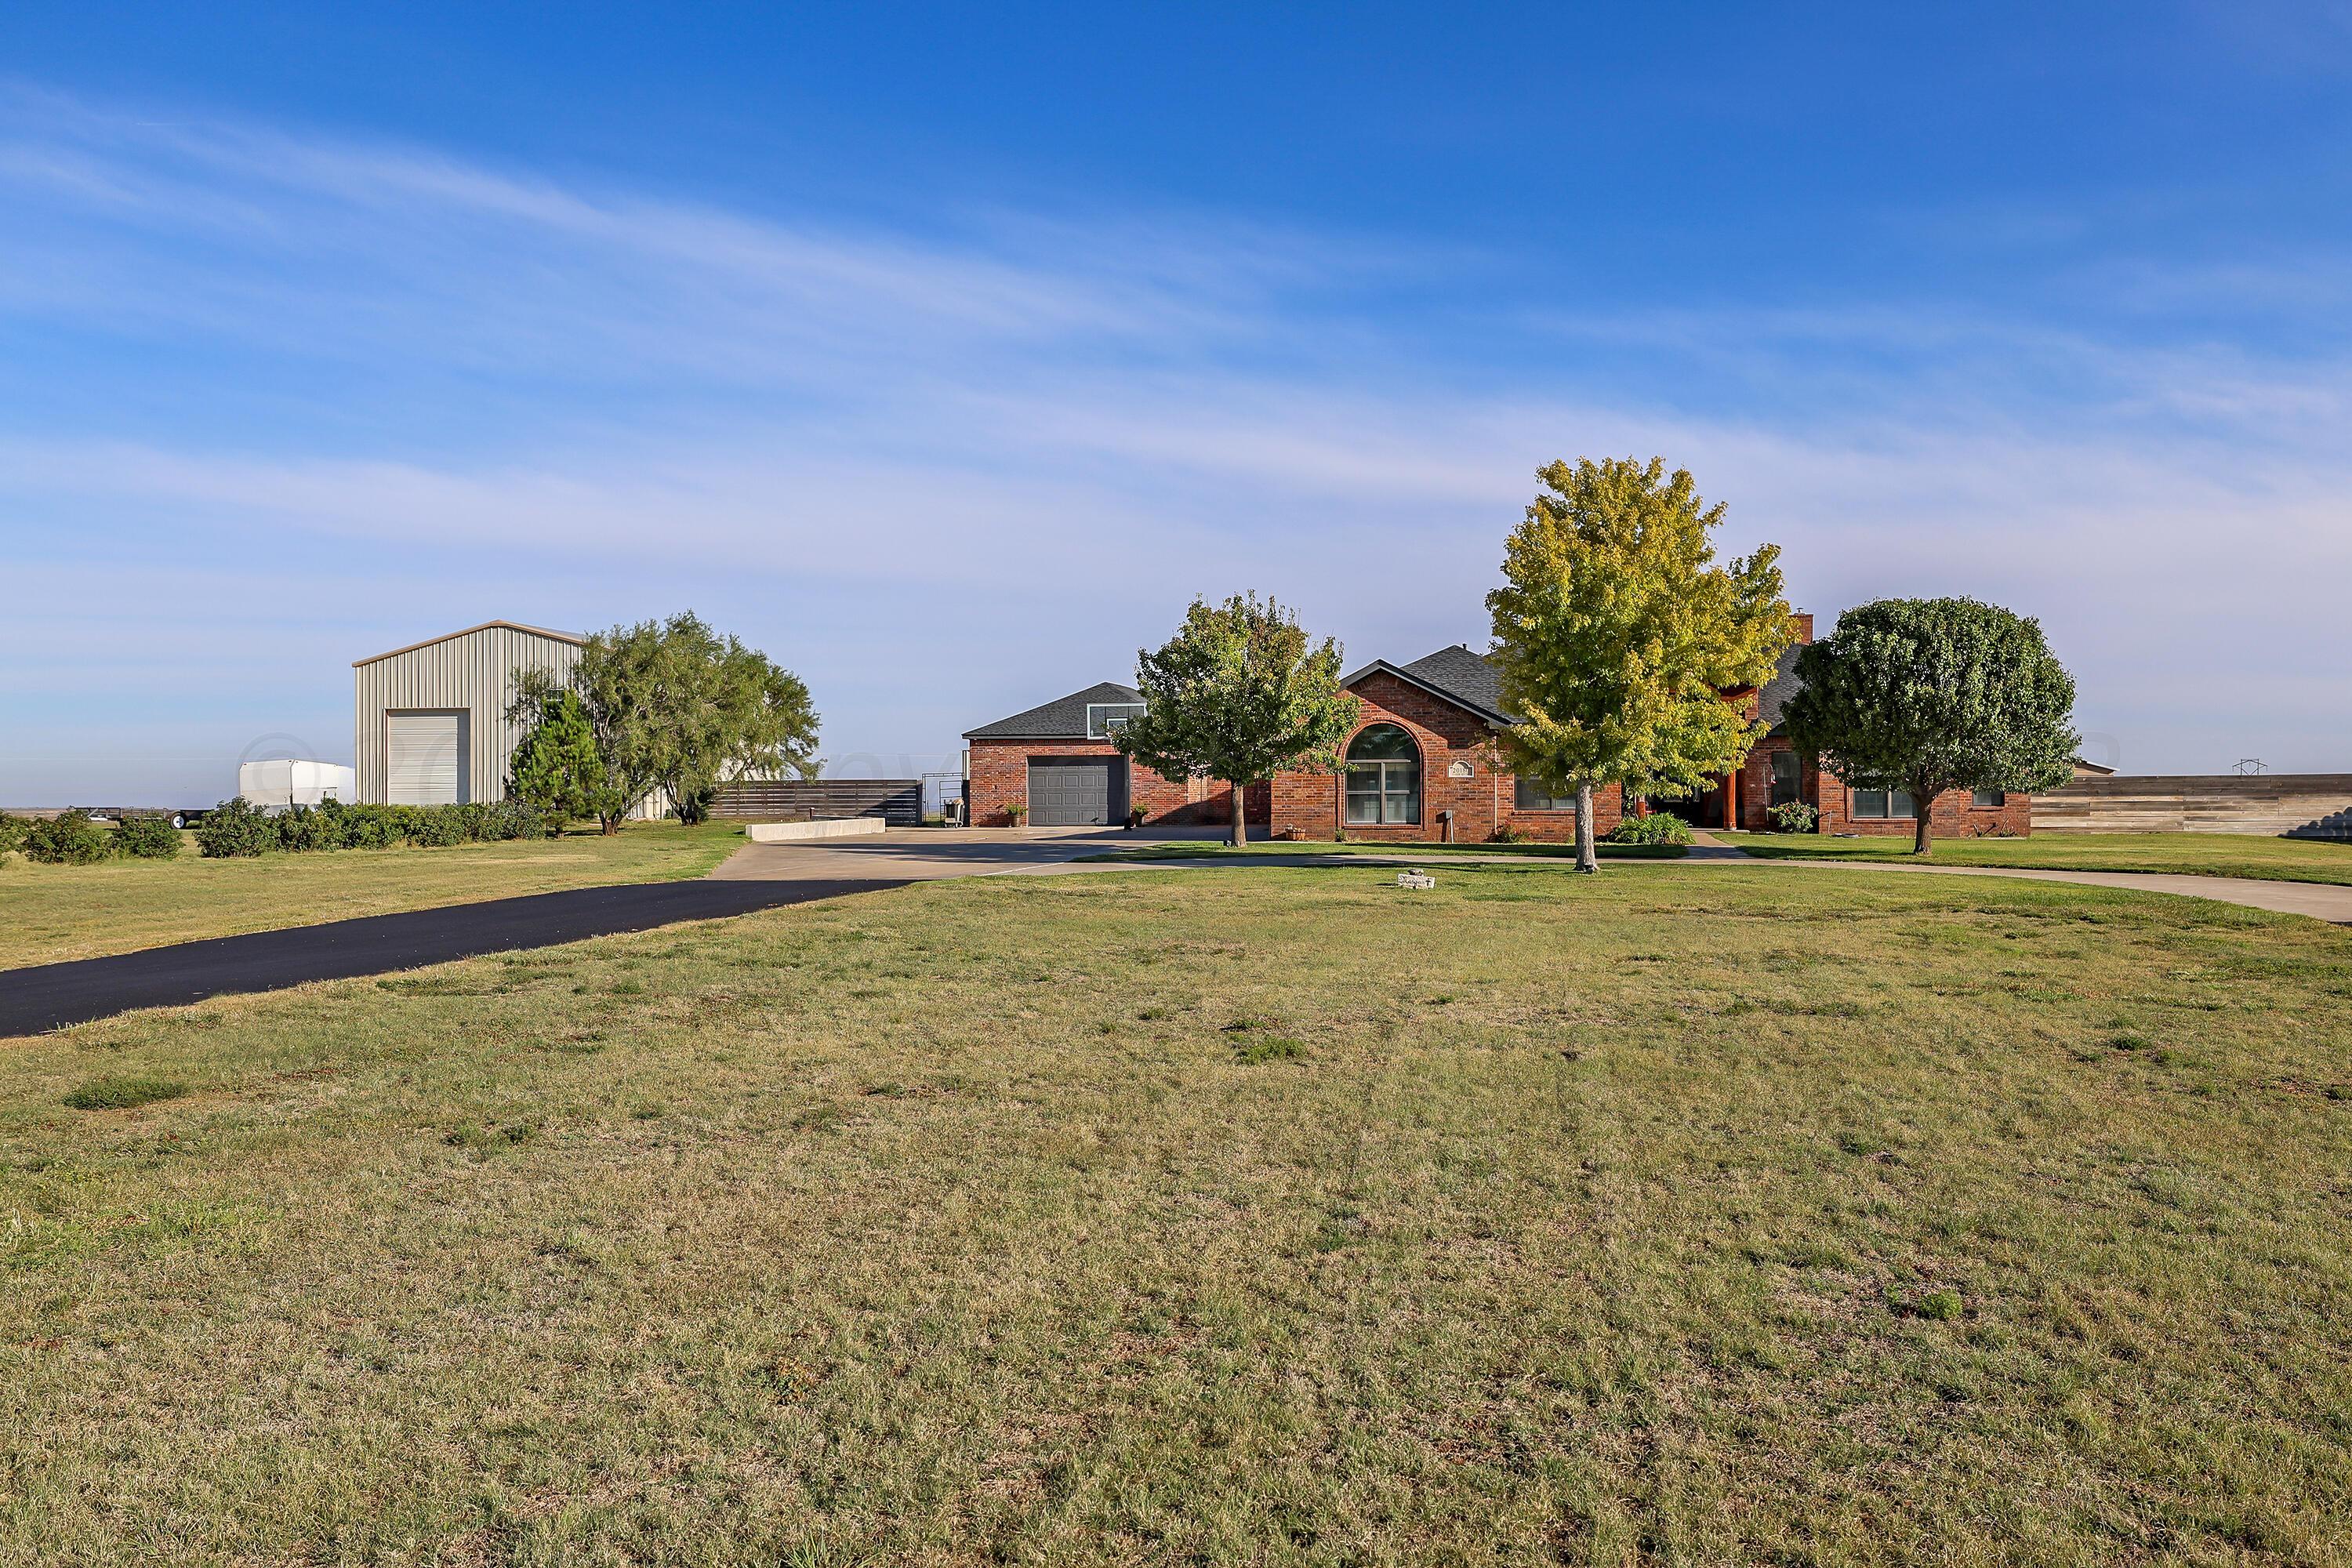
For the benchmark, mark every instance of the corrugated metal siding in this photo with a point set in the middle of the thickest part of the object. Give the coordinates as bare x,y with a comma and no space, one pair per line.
473,673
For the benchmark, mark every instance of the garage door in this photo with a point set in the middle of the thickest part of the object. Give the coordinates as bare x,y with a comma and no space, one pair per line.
1074,792
424,758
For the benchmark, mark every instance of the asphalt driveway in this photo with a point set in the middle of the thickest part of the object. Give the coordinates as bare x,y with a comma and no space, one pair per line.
758,877
53,995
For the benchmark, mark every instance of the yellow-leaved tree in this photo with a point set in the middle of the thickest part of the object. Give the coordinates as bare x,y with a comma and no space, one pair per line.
1616,636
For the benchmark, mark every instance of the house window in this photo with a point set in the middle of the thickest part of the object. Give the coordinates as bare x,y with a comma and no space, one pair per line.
1103,718
1527,795
1877,802
1988,799
1383,778
1785,789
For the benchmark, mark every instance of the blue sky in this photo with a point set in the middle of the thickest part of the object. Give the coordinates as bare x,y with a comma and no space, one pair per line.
945,355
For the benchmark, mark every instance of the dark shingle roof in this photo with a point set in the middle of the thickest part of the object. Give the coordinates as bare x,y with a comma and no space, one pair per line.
1777,691
1064,719
1453,673
1471,676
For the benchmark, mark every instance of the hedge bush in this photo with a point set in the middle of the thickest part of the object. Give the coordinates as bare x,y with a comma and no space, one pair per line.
12,833
72,839
147,838
1658,827
236,827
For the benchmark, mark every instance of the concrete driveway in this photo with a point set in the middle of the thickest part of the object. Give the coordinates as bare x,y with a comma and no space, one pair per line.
930,854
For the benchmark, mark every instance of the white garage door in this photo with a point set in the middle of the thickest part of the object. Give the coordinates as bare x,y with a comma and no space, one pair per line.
424,758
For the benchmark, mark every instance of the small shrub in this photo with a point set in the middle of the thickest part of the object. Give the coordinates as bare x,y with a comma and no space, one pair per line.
1658,827
438,826
303,829
501,820
236,828
147,838
72,839
1793,816
122,1093
1014,813
363,826
1506,834
12,833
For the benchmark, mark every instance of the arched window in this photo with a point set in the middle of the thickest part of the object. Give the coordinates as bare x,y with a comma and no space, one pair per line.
1383,778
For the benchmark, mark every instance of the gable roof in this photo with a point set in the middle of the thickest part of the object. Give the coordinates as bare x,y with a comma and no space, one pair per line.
574,638
1775,693
1063,718
1455,674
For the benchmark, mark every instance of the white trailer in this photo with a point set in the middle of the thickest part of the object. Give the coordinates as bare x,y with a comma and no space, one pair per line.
289,782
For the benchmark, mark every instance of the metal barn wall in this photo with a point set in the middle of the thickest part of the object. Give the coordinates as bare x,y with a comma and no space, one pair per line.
472,671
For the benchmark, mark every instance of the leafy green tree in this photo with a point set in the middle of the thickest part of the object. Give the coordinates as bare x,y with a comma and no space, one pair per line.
1616,636
556,768
1239,694
674,706
723,711
1929,695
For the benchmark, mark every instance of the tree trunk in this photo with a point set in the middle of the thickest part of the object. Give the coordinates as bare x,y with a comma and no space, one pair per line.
1241,814
609,825
1923,824
1587,858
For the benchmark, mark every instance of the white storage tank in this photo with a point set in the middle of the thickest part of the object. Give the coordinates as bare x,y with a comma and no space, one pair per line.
290,781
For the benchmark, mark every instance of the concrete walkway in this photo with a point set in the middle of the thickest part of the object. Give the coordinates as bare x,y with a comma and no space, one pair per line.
2320,901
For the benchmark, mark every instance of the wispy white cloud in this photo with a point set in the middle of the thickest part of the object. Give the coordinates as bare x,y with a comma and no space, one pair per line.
367,392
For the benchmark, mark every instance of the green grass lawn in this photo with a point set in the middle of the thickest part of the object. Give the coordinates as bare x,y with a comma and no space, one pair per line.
2194,854
1211,849
1222,1215
49,914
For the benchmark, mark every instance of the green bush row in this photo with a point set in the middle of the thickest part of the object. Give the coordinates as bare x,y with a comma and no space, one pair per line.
234,827
73,839
1658,827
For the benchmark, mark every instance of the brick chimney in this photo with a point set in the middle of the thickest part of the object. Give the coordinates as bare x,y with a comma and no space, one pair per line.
1804,623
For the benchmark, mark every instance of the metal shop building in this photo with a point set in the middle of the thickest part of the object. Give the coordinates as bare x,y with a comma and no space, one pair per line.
431,724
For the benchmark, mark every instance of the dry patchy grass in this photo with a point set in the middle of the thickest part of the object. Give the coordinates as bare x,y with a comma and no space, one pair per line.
1658,1215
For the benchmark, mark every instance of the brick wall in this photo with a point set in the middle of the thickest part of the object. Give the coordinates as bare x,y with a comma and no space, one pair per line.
1954,813
1460,773
1000,778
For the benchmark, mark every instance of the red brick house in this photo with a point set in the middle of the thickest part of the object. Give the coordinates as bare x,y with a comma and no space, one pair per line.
1423,765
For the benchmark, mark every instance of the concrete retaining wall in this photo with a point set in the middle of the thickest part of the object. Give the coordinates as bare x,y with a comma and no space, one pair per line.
832,828
2270,804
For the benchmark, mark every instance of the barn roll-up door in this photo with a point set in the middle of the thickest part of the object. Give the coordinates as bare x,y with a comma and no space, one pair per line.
424,758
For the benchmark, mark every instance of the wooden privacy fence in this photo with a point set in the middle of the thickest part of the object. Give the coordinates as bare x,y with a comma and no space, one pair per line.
898,802
2193,802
